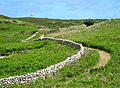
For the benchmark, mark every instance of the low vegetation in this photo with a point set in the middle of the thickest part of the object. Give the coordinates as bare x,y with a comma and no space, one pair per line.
104,35
56,23
70,76
31,57
15,32
21,54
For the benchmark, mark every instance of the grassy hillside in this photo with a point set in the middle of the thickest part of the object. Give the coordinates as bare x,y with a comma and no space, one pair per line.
104,35
12,30
73,75
56,23
30,56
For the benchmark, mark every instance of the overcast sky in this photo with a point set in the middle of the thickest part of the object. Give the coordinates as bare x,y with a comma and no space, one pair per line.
65,9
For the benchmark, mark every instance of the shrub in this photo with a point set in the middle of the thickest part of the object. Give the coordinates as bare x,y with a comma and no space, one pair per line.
88,22
15,21
7,22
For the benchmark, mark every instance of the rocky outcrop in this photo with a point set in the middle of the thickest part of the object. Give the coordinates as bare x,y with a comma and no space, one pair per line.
49,70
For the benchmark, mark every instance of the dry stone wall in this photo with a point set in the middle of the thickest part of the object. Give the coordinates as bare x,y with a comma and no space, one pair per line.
63,41
49,70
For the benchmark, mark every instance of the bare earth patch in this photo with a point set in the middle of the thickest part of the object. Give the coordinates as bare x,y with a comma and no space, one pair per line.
103,60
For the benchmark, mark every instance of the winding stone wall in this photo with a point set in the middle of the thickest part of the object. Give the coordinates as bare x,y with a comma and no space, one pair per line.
49,70
63,41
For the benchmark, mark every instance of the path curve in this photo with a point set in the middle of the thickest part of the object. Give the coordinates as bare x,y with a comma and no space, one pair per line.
104,58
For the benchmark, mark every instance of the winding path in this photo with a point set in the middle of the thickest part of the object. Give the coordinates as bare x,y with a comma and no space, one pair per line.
104,58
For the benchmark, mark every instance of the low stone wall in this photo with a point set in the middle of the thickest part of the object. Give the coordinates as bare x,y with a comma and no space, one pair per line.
49,70
63,41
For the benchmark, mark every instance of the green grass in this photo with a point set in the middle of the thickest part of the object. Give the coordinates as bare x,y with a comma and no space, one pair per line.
70,76
11,33
27,56
105,37
33,57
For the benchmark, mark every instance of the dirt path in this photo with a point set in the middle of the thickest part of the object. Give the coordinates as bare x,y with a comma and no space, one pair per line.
104,58
31,36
